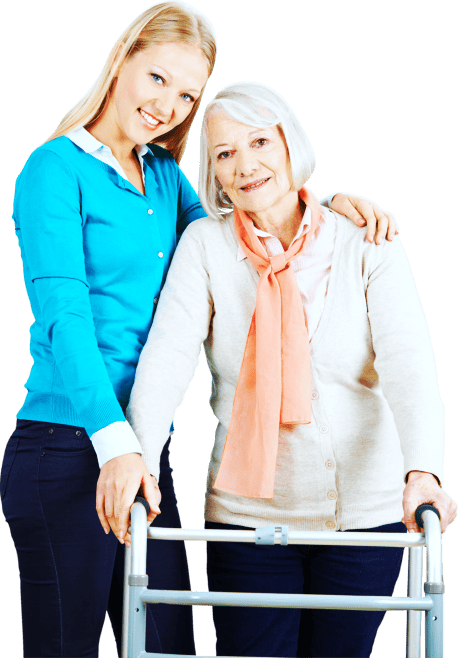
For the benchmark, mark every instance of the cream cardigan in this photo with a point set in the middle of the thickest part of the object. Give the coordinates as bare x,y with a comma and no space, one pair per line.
377,413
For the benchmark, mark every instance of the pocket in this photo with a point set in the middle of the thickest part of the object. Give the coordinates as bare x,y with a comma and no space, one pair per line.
66,441
8,458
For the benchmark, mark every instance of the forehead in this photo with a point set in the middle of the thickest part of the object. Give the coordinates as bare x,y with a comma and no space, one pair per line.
220,126
185,62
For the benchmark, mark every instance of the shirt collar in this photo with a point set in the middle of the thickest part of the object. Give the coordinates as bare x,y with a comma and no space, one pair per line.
303,228
83,138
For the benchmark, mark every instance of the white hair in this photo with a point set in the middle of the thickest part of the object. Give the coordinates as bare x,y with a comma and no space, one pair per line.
256,105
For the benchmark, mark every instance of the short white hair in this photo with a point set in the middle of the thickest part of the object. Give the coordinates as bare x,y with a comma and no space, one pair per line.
257,105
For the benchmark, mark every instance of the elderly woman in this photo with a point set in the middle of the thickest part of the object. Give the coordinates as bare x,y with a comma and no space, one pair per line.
331,421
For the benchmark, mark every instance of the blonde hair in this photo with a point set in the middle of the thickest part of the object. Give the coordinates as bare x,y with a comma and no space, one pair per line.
163,23
253,104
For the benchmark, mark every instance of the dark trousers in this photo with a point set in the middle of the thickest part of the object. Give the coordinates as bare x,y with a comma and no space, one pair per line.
71,572
298,569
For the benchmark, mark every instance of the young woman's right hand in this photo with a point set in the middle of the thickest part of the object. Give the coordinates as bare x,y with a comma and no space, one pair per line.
119,482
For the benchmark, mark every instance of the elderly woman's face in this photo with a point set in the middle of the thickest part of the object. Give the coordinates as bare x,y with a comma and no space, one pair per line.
251,164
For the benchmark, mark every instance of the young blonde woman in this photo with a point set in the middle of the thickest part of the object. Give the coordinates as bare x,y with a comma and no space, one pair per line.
98,215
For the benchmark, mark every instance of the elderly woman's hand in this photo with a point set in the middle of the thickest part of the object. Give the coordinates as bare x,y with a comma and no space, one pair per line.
423,488
119,482
380,224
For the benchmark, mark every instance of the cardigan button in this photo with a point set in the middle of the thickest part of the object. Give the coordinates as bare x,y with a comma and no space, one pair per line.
324,429
155,300
332,495
160,254
315,395
51,430
78,432
330,524
150,211
329,464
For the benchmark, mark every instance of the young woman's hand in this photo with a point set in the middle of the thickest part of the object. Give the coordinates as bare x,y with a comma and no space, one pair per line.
422,488
380,224
119,482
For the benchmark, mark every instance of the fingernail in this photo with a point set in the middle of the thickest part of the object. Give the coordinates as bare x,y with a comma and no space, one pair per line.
106,531
411,530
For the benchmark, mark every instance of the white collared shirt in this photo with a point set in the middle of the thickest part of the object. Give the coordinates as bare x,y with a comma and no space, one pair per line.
83,138
312,267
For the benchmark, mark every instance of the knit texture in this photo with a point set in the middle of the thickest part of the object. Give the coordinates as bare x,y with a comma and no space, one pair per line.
377,413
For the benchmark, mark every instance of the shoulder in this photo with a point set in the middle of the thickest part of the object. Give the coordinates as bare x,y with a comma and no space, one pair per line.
359,252
55,155
208,230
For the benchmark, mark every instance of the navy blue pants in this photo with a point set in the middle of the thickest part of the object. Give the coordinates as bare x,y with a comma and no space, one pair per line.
71,572
298,569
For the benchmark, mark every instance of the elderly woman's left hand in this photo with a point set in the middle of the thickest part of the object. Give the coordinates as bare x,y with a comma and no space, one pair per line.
423,488
380,224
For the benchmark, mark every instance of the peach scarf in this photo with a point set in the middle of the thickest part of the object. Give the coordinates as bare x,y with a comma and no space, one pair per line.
274,385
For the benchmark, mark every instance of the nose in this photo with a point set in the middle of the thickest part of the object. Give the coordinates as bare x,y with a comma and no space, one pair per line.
164,105
246,162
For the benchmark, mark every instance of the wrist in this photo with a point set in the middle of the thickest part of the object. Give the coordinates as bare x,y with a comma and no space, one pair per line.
414,476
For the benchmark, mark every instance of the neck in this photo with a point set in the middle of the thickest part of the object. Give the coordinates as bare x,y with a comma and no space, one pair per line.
108,131
283,219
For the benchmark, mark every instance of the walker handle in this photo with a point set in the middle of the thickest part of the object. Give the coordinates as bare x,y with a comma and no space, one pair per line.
144,502
422,508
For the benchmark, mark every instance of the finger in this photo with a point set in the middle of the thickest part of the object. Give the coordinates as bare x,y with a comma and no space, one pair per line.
99,506
344,206
366,209
392,226
126,502
382,226
153,496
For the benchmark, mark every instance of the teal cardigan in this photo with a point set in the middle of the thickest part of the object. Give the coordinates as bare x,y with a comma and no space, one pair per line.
95,253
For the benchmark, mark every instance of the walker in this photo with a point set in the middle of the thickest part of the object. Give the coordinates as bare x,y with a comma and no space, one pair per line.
136,594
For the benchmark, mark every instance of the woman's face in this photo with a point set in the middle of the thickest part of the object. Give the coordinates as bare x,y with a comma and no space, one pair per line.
156,90
251,164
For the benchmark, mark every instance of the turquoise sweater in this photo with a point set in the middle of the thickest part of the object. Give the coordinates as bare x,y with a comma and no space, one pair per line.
95,253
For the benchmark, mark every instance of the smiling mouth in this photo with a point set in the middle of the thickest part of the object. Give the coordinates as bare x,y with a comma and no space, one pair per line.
255,185
149,119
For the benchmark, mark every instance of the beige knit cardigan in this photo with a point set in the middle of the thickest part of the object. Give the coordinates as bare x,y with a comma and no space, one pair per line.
377,413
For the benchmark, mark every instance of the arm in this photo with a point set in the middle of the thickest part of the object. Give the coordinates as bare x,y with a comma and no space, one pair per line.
47,210
361,212
405,364
171,353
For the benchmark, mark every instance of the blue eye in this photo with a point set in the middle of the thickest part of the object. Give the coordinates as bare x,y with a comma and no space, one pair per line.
157,78
188,98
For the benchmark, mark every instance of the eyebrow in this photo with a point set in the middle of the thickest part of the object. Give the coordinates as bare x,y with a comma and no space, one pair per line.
253,132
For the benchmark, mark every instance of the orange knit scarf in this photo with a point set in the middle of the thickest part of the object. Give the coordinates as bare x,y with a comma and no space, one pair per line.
274,385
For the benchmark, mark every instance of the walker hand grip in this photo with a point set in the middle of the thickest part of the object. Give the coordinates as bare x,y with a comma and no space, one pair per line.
144,502
422,508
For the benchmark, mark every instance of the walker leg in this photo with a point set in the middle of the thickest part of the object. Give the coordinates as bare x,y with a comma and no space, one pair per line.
414,590
125,604
434,628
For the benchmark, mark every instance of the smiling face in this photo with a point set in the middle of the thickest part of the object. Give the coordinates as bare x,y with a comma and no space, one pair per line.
156,90
251,164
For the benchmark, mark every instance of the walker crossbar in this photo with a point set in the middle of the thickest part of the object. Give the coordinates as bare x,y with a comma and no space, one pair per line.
137,595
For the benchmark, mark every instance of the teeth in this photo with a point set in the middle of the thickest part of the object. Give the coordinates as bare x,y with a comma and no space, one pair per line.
250,187
151,121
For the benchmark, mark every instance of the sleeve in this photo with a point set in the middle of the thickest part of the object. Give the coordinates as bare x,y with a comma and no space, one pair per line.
47,209
170,355
189,206
404,359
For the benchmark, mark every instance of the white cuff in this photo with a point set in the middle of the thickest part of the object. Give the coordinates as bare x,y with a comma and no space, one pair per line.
115,440
326,202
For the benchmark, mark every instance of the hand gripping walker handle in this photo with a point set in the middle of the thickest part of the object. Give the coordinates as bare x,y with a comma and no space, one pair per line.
422,508
144,502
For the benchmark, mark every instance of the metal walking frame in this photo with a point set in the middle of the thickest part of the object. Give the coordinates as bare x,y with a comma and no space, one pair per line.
136,594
